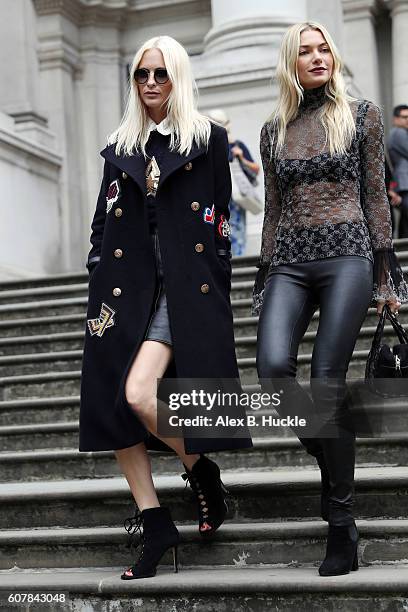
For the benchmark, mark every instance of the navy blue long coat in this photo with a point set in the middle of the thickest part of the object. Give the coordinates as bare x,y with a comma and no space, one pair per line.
192,209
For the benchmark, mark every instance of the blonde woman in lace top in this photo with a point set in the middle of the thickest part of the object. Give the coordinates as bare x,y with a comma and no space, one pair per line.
326,243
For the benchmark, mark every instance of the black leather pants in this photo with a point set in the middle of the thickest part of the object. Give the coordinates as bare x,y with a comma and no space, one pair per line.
342,289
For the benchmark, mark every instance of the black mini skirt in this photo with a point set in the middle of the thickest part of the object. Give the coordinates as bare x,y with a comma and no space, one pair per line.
159,328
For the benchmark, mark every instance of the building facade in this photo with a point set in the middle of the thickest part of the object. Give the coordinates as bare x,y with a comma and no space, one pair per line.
64,76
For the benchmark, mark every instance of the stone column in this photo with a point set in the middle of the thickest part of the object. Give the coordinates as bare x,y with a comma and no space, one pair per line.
59,67
19,93
360,46
99,108
399,13
81,96
329,14
250,24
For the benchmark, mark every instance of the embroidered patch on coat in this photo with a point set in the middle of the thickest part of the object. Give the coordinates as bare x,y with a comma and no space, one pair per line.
224,228
209,214
113,194
97,326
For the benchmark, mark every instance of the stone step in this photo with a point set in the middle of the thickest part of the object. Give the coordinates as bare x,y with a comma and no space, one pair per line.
55,455
61,307
382,416
245,344
387,422
245,267
33,326
43,293
247,326
44,410
37,363
42,343
26,439
383,588
65,307
40,297
240,288
291,544
249,376
71,278
51,280
60,332
61,313
15,366
382,492
31,386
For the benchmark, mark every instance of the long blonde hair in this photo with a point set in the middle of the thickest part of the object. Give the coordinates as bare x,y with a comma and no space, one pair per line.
187,124
336,115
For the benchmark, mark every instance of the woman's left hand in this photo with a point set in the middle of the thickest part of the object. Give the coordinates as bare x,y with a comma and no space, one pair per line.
393,304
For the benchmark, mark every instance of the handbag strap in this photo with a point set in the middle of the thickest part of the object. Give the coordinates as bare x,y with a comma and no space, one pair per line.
379,332
399,330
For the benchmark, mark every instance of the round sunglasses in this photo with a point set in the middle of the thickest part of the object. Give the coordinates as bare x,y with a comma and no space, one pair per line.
141,75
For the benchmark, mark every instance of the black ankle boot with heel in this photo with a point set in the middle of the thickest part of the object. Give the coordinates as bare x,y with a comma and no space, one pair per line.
205,481
341,552
157,533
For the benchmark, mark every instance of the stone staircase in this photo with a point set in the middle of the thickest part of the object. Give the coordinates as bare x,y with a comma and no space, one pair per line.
62,511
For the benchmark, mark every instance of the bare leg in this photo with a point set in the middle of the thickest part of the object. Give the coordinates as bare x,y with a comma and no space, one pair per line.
150,364
135,465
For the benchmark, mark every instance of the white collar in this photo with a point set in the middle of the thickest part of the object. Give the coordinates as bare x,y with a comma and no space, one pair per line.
162,127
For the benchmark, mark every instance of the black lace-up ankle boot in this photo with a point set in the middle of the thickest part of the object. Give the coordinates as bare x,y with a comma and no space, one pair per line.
341,552
157,533
204,479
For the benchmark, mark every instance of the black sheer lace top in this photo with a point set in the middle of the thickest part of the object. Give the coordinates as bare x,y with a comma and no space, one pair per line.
319,205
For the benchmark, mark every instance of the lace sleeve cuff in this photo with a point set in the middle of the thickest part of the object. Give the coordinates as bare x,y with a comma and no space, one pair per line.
258,291
389,280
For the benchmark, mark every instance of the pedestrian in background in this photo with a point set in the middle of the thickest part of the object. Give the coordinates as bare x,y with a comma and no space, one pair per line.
398,152
393,197
237,150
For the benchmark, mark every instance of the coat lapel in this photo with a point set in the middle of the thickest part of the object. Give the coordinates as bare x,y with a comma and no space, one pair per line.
135,165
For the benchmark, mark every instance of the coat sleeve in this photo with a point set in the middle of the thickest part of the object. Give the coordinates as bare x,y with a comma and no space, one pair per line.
222,189
389,282
98,222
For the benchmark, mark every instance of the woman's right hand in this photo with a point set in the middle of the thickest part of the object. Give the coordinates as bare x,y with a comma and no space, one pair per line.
393,304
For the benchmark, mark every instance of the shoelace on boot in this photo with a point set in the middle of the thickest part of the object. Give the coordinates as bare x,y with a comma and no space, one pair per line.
201,501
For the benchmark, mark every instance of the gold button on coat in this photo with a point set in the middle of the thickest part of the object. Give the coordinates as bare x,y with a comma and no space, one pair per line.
199,247
205,288
118,212
118,253
124,175
188,166
195,206
117,292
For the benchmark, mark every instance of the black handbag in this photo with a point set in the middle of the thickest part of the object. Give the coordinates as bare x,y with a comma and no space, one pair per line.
387,366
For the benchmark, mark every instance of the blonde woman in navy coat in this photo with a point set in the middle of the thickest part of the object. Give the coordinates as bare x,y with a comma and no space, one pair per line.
160,278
